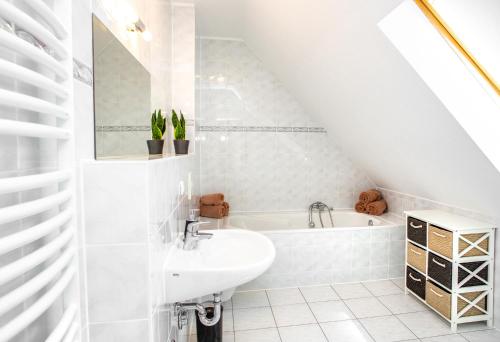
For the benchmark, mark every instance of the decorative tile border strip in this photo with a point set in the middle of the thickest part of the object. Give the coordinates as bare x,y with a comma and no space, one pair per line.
262,129
118,128
83,73
122,128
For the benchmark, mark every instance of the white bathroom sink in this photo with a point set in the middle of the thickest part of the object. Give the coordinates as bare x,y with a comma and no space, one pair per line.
230,258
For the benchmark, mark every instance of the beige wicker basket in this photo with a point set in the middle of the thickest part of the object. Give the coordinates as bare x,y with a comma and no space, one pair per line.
416,257
441,241
439,299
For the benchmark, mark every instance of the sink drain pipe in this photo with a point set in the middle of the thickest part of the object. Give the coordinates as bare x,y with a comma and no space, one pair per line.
181,309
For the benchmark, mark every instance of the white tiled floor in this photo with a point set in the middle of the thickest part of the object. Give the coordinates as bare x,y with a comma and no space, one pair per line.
361,312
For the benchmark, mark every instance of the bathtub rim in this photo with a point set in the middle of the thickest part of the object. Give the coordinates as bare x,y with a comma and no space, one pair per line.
390,219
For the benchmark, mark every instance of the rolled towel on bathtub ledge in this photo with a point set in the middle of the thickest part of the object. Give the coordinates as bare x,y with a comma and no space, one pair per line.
376,208
360,207
212,199
370,196
212,211
226,208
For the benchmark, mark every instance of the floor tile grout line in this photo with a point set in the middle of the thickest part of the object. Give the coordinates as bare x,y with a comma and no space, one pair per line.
451,333
365,329
374,295
385,306
367,289
349,309
232,315
373,338
394,282
312,312
465,337
407,327
274,318
331,287
323,331
294,325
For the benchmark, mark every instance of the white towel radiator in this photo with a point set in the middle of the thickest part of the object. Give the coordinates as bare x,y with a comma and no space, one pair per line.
38,266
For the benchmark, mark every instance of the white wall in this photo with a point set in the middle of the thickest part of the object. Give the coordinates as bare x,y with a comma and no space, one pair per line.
99,237
378,109
258,145
335,61
183,67
133,214
219,18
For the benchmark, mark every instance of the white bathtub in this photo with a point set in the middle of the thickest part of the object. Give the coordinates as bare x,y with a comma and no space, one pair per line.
299,221
350,251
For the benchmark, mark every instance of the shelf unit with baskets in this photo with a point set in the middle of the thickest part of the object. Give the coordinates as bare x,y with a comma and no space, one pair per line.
450,265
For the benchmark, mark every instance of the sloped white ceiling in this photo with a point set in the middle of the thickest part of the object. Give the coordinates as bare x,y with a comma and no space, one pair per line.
331,55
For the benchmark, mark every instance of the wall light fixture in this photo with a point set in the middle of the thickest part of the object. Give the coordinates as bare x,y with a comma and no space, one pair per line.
139,26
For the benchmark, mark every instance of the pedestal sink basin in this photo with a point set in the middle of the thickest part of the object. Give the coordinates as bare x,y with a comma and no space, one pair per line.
230,258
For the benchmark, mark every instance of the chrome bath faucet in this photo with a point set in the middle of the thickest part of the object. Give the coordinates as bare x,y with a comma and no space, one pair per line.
319,206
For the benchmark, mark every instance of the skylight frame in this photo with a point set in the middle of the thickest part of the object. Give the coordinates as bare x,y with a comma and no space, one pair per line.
446,31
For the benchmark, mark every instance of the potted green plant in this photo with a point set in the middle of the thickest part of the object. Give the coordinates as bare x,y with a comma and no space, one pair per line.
158,126
181,145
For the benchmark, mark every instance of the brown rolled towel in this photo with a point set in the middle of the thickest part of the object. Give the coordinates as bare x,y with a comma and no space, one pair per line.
226,208
212,199
212,211
360,207
370,196
376,208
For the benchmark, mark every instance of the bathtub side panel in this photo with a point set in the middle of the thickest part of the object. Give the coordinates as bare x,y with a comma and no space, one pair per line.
317,257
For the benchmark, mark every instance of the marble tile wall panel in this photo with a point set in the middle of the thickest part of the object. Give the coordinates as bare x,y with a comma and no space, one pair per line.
326,257
258,146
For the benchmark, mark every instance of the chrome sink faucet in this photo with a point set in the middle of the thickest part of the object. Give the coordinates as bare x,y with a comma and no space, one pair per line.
320,206
192,236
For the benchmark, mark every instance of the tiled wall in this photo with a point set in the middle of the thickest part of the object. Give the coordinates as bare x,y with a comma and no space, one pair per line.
398,203
103,321
133,212
334,256
258,146
183,66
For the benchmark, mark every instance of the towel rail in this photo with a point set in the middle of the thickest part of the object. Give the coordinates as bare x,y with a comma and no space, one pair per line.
38,286
28,262
19,18
20,322
23,183
21,101
71,333
35,284
28,129
49,17
26,75
19,211
18,45
64,325
26,236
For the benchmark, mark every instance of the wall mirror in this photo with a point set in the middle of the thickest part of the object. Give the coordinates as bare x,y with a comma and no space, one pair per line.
122,97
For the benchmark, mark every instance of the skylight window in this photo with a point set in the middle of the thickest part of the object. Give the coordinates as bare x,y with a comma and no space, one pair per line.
472,28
